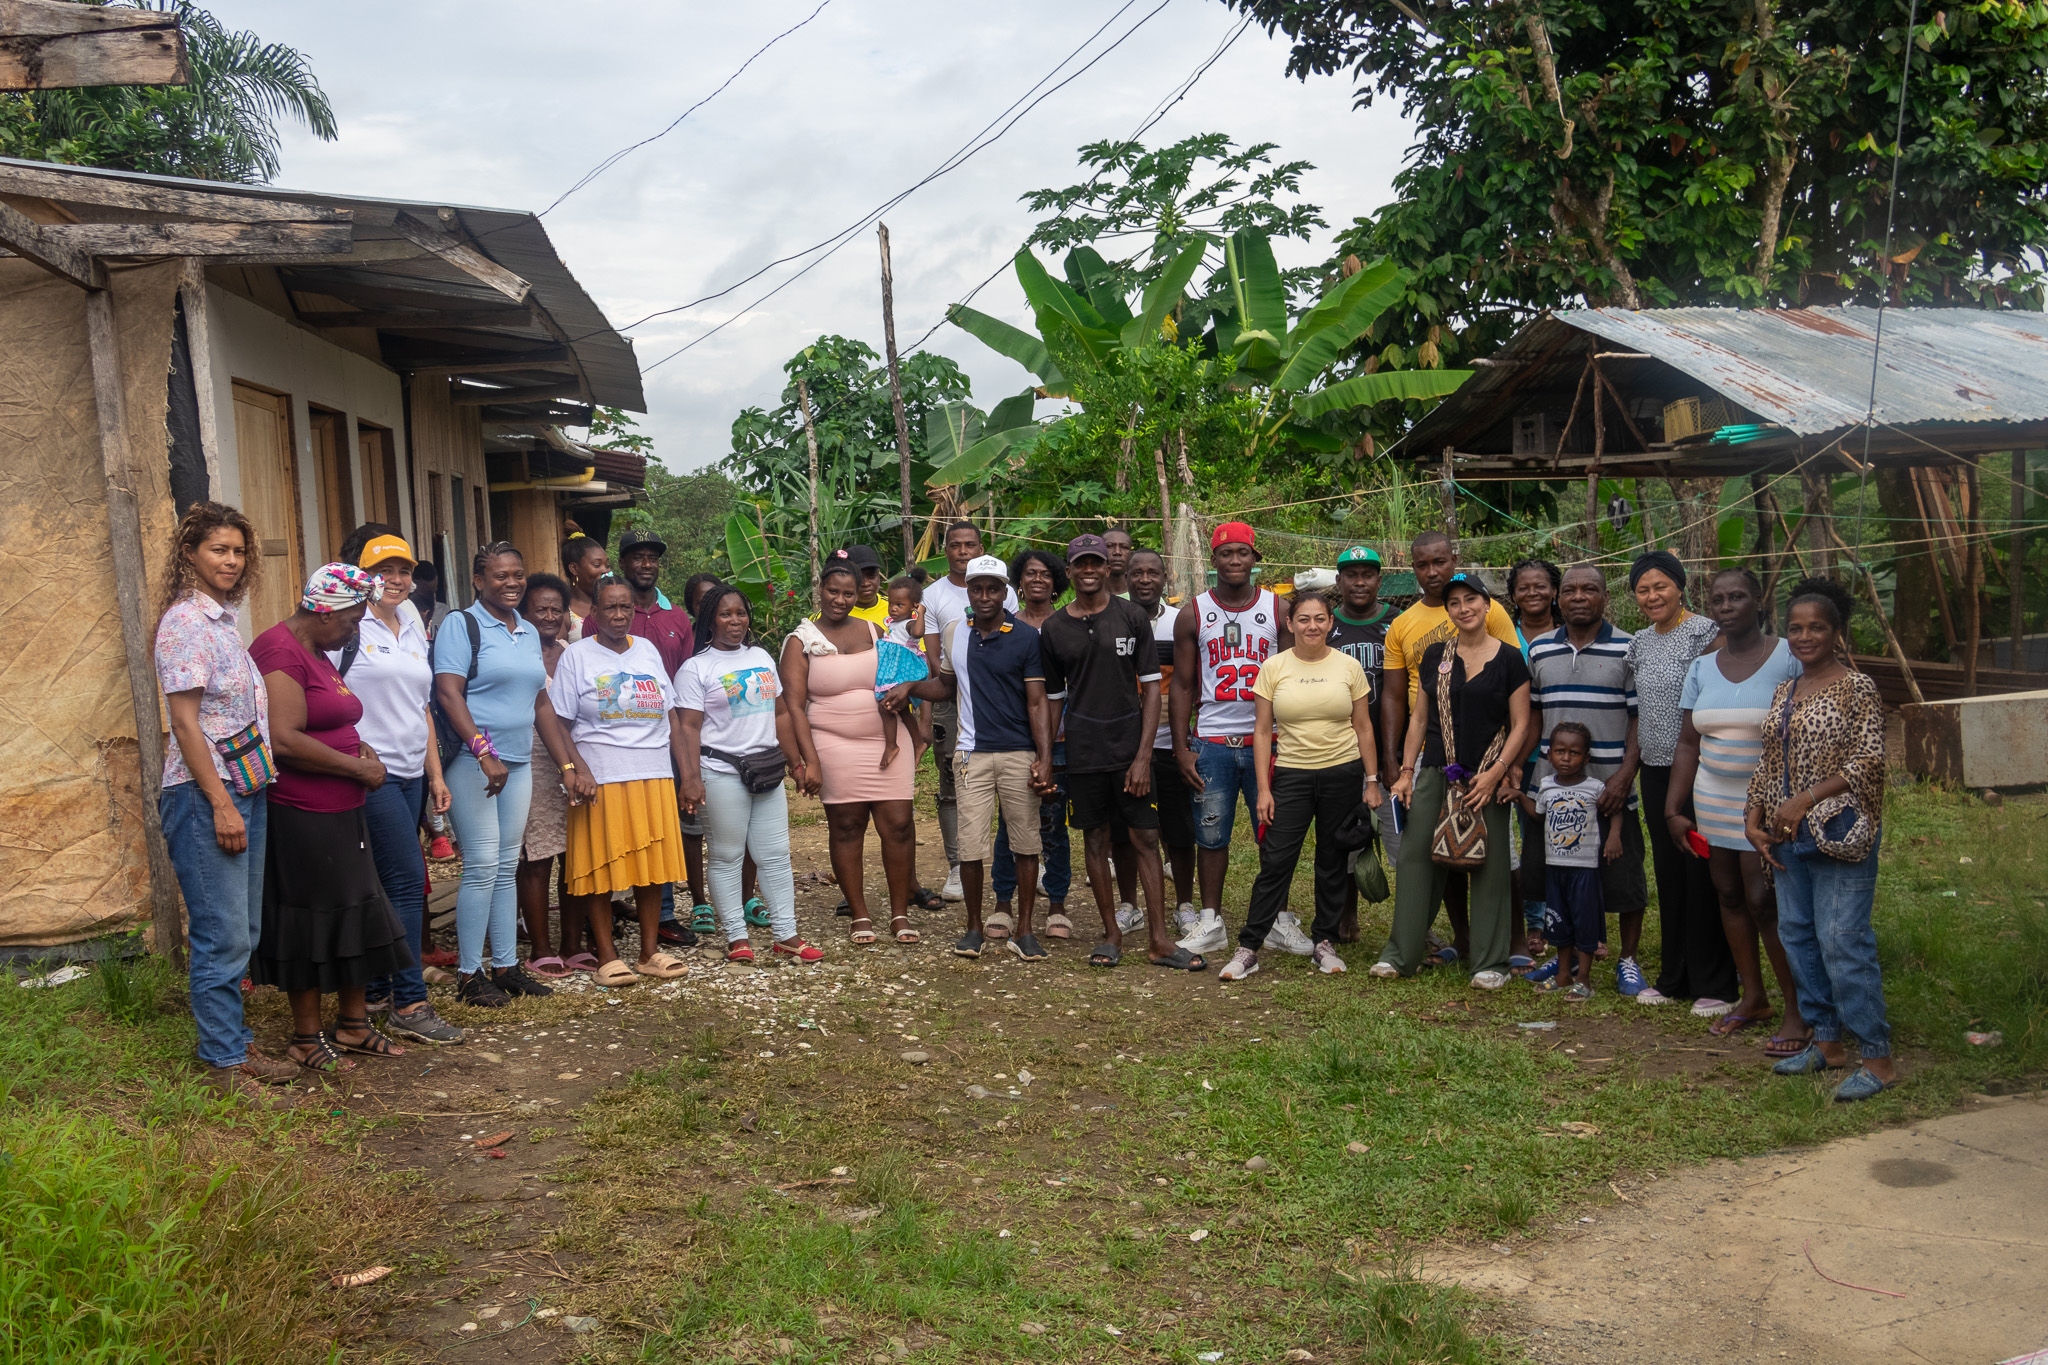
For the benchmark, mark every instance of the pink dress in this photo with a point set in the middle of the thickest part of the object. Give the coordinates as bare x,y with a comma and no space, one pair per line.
848,732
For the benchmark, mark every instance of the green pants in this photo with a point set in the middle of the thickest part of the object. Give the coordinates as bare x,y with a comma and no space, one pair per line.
1419,886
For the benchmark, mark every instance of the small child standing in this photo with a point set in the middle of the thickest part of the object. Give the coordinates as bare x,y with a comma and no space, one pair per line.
1568,804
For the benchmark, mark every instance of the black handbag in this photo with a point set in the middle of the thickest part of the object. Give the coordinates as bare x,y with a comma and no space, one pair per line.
760,771
445,739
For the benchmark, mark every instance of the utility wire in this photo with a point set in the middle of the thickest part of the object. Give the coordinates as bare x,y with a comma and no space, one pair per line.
1885,293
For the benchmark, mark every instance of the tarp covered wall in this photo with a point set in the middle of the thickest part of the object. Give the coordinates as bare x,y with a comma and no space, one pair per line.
72,864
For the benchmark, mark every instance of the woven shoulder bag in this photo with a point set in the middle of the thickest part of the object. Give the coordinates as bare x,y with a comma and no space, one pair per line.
1459,839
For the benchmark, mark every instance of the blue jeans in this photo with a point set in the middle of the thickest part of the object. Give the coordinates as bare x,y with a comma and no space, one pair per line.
1056,854
490,829
738,822
224,901
1227,771
1824,922
393,815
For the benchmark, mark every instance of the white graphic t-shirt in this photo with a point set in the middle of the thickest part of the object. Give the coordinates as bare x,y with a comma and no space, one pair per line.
617,708
736,690
1571,821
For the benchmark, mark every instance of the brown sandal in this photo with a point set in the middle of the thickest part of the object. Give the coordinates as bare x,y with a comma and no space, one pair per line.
374,1043
324,1059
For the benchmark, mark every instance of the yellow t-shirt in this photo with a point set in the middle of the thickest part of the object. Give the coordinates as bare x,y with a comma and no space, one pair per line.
1312,707
878,613
1419,627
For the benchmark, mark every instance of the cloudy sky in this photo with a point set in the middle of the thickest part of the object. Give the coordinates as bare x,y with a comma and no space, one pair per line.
509,104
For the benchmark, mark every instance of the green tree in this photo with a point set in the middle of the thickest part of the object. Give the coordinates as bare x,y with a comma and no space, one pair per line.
222,126
1662,152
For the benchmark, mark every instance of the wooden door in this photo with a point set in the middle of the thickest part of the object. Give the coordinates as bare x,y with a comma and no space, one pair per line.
270,499
337,483
380,475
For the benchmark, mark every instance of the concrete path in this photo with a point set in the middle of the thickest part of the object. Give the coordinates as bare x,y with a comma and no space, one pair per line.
1712,1265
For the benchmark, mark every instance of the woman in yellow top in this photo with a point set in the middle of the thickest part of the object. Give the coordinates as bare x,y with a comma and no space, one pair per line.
1326,762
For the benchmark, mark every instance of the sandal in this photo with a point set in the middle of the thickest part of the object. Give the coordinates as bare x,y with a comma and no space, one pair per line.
581,962
703,920
969,944
549,968
1732,1022
374,1044
863,930
924,898
1027,947
1778,1047
756,913
1058,926
905,935
1181,960
662,966
615,973
1106,955
324,1058
999,925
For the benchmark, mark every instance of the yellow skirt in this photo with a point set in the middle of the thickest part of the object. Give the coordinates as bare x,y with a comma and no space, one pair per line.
628,836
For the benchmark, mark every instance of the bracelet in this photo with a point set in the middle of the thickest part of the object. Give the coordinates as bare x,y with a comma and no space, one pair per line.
1373,778
481,747
568,767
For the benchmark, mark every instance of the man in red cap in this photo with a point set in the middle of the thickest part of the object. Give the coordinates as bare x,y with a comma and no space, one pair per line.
1219,642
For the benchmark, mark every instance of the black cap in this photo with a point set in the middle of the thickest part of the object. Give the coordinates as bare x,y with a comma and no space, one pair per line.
634,539
863,557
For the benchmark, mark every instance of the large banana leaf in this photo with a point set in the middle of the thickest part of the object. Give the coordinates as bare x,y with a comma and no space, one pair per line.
1092,277
1014,342
1162,295
975,460
950,429
1012,412
1364,389
753,569
1339,318
1057,305
1259,296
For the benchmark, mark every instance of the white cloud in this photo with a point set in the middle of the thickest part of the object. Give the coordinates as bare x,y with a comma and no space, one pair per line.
508,105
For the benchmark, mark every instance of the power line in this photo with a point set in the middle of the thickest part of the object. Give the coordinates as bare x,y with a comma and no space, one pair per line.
1885,292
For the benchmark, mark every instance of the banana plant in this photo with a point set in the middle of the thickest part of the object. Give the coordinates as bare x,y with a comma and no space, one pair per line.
754,570
1289,360
961,444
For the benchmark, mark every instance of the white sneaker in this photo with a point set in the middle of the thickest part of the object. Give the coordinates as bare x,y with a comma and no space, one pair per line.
1707,1007
1186,917
1208,935
1326,959
1129,917
951,890
1383,969
1287,936
1650,995
1489,981
1240,966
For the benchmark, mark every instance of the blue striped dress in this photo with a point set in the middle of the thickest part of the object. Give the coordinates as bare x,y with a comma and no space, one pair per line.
1730,719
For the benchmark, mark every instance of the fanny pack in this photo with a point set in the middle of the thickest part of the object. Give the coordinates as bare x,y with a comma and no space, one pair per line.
760,771
247,759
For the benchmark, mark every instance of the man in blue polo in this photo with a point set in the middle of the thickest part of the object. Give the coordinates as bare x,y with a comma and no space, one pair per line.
989,669
1580,671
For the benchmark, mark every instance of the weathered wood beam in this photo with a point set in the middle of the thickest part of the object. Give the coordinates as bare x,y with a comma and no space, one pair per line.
473,398
487,367
124,544
53,45
35,242
101,191
391,321
463,257
277,240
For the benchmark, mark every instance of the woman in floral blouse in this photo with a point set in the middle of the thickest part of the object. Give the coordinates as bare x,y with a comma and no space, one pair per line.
1814,813
212,805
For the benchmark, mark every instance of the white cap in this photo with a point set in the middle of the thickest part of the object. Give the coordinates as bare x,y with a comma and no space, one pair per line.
987,566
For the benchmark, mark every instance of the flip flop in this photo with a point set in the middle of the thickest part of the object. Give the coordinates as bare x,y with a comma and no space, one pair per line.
615,973
1778,1047
1733,1023
969,944
1106,955
581,962
1181,960
1028,947
549,968
1059,927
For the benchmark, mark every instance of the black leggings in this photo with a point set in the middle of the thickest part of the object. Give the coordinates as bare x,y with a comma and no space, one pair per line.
1300,795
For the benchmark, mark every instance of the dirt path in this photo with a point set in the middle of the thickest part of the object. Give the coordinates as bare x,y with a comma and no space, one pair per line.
1712,1264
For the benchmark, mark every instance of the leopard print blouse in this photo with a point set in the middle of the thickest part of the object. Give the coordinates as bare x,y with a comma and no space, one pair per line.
1839,729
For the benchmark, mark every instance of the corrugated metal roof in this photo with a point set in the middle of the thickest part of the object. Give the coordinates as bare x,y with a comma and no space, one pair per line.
1808,369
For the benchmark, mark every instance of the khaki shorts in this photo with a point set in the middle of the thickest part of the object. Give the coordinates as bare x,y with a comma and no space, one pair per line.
980,781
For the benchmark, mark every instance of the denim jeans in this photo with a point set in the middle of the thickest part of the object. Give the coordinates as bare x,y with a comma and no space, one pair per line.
1824,922
738,822
1226,771
490,829
224,902
393,815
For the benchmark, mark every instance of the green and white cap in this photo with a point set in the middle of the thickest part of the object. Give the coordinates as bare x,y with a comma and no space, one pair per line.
1359,554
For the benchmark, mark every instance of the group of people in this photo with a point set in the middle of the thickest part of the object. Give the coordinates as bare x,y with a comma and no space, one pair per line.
644,745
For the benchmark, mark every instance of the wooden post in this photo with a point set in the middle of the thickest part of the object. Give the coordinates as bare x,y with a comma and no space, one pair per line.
895,385
1820,516
1973,574
1891,637
1447,493
131,589
803,402
199,336
1593,469
2016,560
1948,624
1165,498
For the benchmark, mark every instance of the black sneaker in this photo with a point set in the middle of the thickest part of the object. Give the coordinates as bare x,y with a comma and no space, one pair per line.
676,934
478,989
513,980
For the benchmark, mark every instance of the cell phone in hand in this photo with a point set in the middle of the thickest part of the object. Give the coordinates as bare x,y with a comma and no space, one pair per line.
1695,841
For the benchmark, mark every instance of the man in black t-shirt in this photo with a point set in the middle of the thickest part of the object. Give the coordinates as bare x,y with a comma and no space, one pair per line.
1102,678
1360,630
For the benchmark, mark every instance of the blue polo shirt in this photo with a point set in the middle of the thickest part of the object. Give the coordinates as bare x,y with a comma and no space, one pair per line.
990,672
509,675
1595,686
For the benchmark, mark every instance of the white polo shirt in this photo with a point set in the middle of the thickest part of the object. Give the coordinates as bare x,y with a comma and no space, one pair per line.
392,676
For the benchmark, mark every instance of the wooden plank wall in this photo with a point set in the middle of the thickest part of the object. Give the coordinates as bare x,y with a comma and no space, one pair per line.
447,440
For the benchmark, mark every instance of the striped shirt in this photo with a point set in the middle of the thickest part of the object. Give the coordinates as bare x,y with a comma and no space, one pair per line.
1730,718
1594,686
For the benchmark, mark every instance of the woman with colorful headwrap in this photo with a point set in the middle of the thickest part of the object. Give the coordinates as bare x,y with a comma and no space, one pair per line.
328,928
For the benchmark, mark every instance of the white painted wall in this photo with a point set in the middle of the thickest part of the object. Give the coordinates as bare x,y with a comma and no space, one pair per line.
258,347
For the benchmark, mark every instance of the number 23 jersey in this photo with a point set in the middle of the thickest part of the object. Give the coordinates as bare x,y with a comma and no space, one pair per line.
1231,645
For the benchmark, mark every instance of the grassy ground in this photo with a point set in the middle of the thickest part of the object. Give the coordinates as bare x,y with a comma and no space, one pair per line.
147,1221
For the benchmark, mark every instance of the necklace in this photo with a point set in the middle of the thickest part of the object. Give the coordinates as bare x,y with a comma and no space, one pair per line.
1233,633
